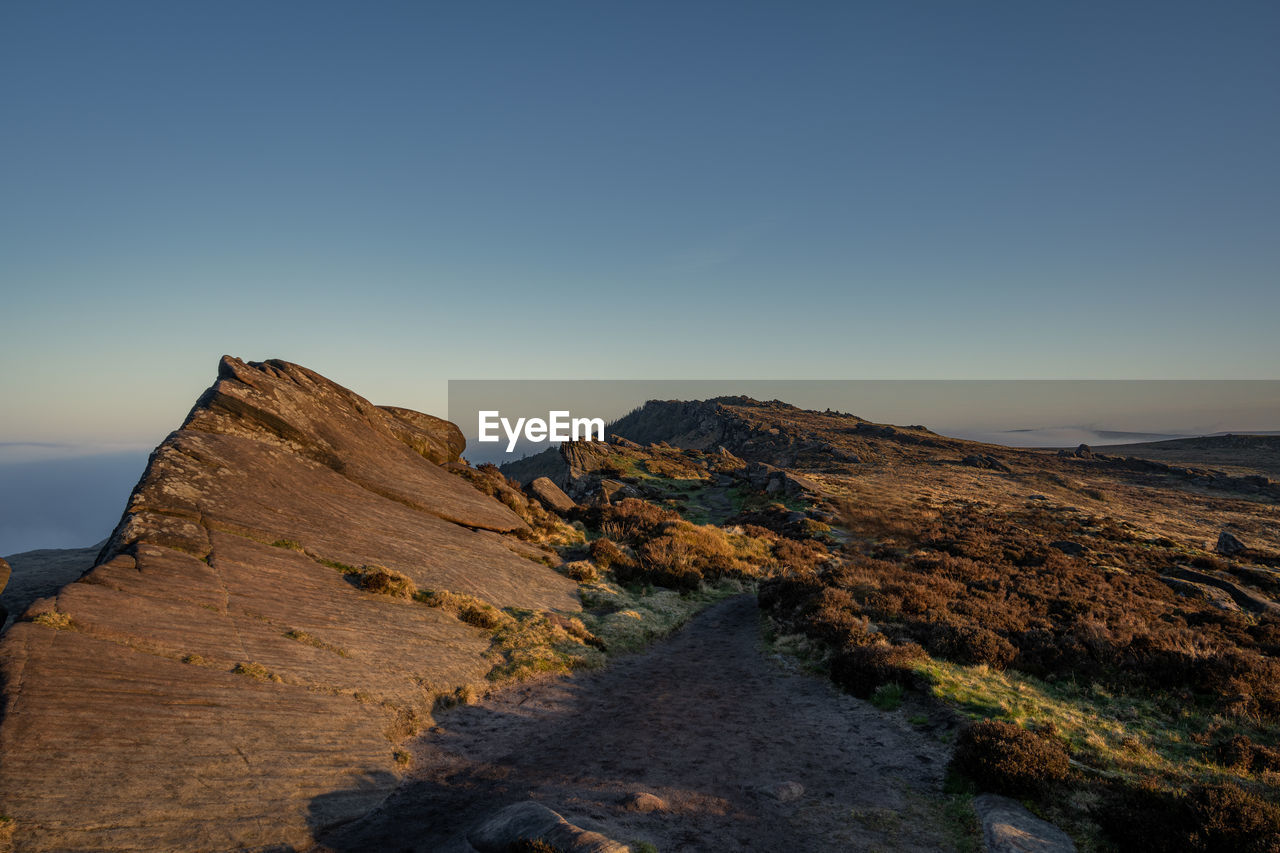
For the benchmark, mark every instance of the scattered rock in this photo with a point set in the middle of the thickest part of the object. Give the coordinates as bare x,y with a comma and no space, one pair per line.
986,462
530,821
644,802
1007,827
1212,595
785,792
1228,545
551,495
1071,549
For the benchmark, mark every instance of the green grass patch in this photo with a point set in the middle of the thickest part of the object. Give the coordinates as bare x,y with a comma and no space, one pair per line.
627,620
531,643
888,697
1132,736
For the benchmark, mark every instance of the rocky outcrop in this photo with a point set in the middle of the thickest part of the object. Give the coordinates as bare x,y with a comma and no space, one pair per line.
773,480
528,822
985,462
217,681
435,438
1247,599
1210,594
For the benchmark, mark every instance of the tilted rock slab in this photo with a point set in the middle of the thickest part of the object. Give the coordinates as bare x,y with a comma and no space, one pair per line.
1007,827
551,495
529,821
203,689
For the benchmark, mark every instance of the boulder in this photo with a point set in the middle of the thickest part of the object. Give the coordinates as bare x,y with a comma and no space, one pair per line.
614,490
798,485
526,822
1228,545
551,495
644,802
1071,549
785,792
1007,827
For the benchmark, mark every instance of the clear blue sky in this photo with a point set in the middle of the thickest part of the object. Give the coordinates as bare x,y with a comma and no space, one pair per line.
398,194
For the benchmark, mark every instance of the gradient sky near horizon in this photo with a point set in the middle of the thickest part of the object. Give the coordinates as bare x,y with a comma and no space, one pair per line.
396,194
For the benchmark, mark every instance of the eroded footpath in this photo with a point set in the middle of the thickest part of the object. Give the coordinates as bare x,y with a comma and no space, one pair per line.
724,733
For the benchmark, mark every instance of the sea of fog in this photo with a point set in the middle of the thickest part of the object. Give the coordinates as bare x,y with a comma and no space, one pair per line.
59,497
52,496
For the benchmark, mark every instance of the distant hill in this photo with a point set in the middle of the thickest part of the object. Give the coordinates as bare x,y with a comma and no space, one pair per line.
1236,453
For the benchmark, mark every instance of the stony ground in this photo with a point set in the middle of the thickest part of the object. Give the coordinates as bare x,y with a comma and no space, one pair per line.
707,720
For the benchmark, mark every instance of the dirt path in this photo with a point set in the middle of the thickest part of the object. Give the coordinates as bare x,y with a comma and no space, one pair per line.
707,721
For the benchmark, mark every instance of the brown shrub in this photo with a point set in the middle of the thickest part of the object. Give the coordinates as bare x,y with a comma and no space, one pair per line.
582,571
834,618
606,553
480,615
632,520
1241,753
861,669
1005,758
1227,817
967,643
386,581
1221,818
796,556
980,587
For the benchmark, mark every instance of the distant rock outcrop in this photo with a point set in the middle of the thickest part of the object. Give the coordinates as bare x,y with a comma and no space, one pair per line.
4,580
217,681
986,462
